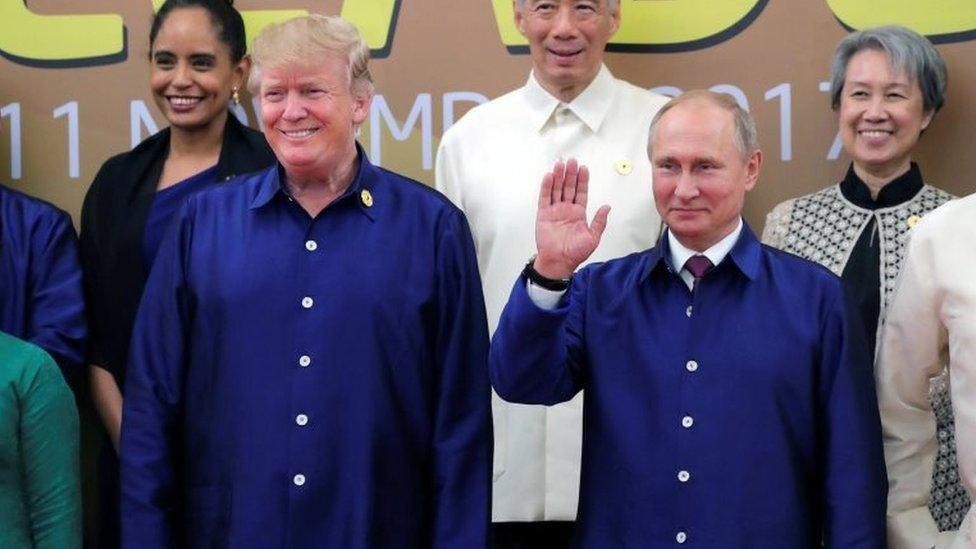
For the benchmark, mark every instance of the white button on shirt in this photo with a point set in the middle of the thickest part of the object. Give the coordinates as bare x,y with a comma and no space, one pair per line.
304,361
301,420
679,254
298,479
307,302
311,245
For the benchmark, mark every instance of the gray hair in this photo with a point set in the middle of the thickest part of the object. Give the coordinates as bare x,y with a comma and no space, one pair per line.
304,40
744,134
908,52
611,4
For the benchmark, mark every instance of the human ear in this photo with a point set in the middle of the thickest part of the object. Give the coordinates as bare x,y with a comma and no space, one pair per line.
753,164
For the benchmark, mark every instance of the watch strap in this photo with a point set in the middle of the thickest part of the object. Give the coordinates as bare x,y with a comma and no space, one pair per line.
552,284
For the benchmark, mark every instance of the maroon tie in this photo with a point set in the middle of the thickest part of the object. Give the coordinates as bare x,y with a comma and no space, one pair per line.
698,266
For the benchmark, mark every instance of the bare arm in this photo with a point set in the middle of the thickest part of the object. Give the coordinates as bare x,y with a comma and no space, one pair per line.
108,401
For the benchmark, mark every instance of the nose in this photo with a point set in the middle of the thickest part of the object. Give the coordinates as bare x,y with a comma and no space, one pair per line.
876,110
294,107
686,188
564,26
181,76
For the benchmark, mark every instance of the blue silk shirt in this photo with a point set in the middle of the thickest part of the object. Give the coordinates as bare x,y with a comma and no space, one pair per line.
310,382
41,296
740,415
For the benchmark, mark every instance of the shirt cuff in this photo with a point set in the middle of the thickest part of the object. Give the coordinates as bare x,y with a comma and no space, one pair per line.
542,298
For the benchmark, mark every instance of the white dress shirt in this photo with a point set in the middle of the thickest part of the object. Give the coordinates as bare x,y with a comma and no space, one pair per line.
491,165
931,322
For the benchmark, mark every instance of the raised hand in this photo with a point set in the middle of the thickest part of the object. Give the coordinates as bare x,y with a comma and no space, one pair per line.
562,236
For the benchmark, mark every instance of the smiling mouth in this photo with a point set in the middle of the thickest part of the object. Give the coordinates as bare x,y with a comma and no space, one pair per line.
565,54
298,134
874,134
183,101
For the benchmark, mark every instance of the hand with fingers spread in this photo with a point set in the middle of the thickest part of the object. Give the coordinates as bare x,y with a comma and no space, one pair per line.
563,238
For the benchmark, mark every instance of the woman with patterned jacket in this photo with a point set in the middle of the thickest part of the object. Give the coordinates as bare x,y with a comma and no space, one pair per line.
886,84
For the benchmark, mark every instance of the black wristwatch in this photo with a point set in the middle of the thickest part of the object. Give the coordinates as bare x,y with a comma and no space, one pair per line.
553,284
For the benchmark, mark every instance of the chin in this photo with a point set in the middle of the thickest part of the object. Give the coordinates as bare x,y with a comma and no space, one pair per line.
298,165
187,125
875,164
683,231
294,157
568,75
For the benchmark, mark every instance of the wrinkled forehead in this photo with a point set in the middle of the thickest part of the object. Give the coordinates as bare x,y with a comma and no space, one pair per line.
321,68
695,122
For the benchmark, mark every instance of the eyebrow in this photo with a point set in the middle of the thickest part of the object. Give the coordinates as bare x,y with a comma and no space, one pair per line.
889,84
268,81
312,81
194,56
696,160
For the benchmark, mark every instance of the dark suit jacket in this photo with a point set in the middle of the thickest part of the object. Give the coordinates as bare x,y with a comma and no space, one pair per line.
113,221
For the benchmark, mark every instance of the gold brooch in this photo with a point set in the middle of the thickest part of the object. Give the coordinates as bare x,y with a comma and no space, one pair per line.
366,197
624,166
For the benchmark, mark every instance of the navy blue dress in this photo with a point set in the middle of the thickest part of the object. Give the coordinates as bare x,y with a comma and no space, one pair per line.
165,206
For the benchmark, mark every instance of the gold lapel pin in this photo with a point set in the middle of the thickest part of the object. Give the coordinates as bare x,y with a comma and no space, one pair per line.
913,220
366,197
624,166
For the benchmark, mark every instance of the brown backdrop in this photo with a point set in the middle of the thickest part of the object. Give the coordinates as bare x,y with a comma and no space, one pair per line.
438,48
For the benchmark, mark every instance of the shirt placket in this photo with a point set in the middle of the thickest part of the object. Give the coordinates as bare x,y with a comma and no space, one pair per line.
693,369
301,421
564,134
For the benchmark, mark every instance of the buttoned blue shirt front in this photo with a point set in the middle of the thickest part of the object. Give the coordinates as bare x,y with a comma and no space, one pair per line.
310,382
742,414
41,296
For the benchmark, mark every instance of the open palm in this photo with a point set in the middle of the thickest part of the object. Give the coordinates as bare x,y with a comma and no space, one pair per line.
562,235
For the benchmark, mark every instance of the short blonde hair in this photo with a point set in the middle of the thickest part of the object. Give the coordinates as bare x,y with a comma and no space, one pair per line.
303,40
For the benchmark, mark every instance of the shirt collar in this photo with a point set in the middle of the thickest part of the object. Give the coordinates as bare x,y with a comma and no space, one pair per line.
716,253
591,105
362,186
741,245
901,189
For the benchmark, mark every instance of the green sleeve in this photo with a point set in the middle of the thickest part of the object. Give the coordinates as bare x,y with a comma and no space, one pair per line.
50,454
